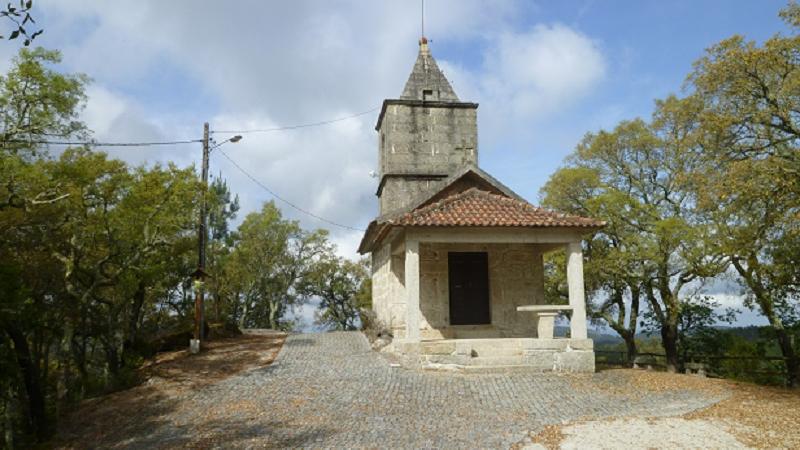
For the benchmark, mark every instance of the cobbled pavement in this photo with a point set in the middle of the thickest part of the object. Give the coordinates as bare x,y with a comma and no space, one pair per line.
330,390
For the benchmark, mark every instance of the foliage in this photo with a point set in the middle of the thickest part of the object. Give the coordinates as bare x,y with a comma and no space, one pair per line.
634,178
20,16
341,286
749,187
36,101
272,259
96,256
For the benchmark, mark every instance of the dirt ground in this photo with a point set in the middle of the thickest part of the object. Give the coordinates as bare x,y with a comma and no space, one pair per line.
167,376
757,416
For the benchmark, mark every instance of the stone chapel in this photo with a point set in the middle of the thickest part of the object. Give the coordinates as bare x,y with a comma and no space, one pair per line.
457,268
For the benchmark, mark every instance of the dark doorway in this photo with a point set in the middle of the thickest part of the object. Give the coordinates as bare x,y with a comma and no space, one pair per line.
469,288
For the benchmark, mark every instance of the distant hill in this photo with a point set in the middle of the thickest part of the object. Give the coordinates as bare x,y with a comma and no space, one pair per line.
609,337
599,337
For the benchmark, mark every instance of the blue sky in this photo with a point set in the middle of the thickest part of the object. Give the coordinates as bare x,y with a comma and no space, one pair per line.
544,73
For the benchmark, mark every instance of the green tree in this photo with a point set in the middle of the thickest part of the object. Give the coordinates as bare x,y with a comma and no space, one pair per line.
266,269
90,249
35,102
636,176
749,186
339,284
222,206
613,273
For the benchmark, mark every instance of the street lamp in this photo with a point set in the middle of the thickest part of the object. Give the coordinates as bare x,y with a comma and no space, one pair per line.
200,274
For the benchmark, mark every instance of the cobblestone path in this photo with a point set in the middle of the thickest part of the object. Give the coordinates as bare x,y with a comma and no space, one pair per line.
332,390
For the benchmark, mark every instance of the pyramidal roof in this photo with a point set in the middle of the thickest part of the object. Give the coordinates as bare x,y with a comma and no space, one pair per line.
426,81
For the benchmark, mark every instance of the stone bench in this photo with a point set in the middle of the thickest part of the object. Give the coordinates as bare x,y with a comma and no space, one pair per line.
546,317
699,369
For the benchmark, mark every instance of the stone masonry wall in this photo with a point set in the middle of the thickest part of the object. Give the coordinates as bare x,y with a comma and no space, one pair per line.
398,191
380,283
515,278
388,292
424,140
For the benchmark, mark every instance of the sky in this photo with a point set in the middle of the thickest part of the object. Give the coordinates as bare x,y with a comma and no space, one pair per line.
543,73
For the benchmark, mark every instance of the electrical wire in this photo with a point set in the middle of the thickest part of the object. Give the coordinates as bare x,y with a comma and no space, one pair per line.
104,144
216,147
305,125
190,141
271,192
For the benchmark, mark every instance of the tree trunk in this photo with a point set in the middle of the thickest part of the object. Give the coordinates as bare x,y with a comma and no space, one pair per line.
630,345
8,419
273,312
37,416
792,361
765,302
112,360
669,338
133,319
245,310
65,363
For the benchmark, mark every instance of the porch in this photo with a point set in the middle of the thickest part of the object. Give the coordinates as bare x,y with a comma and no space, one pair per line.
420,304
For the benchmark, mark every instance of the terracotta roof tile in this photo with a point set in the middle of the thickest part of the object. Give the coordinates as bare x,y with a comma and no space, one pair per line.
477,208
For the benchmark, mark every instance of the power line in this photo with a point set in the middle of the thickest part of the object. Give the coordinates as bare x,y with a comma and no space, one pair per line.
305,125
188,141
271,192
104,144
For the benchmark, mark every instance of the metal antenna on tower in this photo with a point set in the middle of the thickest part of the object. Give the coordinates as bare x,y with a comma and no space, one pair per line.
423,18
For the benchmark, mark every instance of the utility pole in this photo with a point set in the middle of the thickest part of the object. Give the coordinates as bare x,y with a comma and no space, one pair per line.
202,235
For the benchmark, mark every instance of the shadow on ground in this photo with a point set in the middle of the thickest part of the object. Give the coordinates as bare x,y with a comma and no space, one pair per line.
167,409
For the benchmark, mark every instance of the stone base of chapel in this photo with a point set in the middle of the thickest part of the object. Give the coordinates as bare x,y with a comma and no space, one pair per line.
562,355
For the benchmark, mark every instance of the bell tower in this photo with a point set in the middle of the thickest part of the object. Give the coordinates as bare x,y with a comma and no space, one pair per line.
425,136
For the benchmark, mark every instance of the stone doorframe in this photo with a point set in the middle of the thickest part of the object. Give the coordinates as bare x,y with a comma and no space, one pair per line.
555,237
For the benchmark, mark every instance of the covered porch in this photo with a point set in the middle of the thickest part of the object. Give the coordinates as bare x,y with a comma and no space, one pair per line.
517,327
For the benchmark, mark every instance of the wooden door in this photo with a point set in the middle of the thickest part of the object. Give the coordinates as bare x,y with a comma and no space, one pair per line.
468,274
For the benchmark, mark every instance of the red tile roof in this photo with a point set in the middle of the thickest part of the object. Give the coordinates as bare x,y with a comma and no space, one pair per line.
478,208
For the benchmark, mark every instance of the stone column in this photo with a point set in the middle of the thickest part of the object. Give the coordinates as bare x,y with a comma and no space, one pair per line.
412,291
576,295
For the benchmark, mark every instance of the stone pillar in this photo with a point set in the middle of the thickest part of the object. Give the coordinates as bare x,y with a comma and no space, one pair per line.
412,291
545,324
576,295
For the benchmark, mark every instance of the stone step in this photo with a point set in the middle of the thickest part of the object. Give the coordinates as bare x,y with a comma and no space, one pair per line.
489,347
489,361
496,361
472,347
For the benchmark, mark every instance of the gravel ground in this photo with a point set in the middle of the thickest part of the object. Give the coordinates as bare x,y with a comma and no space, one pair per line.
332,390
642,434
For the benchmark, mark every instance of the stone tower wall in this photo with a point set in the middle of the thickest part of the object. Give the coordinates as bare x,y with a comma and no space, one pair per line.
420,144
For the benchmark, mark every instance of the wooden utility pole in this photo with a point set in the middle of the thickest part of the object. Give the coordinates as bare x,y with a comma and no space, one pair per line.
200,273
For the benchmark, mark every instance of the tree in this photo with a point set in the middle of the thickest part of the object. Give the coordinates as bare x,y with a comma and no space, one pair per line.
271,259
656,247
35,101
613,274
339,284
89,247
749,187
222,207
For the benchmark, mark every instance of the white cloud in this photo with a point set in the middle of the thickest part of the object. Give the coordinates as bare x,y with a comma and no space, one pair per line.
259,65
114,117
528,75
